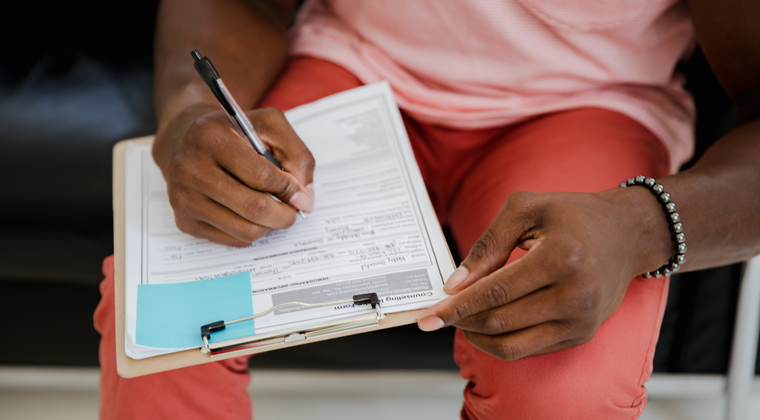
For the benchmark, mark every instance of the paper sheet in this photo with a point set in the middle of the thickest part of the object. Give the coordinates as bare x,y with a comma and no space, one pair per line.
373,228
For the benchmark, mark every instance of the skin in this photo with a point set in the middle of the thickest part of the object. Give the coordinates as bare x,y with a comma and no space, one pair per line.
218,185
583,249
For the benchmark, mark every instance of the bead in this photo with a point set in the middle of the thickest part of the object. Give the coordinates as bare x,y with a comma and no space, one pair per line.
670,209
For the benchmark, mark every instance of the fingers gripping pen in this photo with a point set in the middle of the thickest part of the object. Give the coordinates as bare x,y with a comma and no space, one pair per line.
237,116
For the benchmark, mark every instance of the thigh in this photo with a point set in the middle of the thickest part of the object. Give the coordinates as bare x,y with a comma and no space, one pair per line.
581,151
212,390
306,79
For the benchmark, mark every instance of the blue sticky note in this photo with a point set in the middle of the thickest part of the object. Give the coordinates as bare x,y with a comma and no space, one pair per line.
170,316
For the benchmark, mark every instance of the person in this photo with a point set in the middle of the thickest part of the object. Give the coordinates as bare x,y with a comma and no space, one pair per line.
524,116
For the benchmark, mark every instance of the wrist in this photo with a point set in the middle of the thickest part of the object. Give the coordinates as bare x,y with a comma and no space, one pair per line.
191,96
651,239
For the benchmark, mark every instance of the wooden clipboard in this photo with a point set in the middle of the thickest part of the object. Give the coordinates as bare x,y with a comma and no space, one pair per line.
130,368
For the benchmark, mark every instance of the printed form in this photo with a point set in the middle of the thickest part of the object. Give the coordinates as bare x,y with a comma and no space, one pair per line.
373,228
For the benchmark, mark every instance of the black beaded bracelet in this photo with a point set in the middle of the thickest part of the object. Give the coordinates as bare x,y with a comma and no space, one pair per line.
674,220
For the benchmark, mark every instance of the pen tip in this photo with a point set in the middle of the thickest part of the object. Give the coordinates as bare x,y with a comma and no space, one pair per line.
301,213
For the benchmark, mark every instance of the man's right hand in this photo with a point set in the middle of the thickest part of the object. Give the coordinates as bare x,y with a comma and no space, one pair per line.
219,187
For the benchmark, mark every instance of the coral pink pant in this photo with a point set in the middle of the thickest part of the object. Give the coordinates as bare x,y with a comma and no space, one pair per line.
469,175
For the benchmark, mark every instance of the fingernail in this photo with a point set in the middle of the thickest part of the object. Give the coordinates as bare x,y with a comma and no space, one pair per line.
430,323
456,278
310,187
301,201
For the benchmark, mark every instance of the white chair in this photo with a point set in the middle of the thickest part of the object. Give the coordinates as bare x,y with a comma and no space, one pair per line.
741,371
735,388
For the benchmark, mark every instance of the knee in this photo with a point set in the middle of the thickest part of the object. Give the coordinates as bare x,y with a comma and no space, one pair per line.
547,396
568,384
104,317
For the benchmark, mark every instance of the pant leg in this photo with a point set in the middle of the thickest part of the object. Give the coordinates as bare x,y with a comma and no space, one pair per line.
213,390
583,150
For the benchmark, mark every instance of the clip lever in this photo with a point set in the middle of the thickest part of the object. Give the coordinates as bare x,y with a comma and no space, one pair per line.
367,299
363,299
207,329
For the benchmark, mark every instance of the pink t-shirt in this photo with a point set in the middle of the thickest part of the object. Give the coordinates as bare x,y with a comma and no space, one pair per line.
478,64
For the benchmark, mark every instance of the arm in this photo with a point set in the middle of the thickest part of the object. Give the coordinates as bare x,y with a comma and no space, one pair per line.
727,177
218,186
583,249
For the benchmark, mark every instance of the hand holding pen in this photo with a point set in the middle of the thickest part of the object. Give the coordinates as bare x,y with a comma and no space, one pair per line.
241,123
221,188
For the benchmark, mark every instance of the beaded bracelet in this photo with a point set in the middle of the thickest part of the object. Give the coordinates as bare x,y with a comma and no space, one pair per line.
674,220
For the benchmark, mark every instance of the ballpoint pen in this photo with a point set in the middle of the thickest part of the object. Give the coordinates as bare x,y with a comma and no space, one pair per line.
237,116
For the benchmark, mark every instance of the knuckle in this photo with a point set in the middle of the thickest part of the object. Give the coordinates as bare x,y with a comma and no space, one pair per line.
584,332
291,218
484,245
521,200
574,256
305,161
462,311
180,201
496,294
186,225
570,258
202,130
497,324
526,209
270,118
182,171
271,112
581,303
255,207
251,234
508,350
583,339
288,189
264,174
586,301
518,198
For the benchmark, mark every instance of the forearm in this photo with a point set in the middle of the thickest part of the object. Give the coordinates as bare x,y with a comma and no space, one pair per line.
246,41
719,200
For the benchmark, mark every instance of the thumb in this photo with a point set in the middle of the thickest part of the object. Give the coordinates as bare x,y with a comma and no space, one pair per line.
291,153
492,250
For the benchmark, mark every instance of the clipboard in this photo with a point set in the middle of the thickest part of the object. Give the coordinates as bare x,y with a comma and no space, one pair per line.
129,368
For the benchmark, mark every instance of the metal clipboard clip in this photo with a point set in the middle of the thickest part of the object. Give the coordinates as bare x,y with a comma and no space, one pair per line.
296,334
